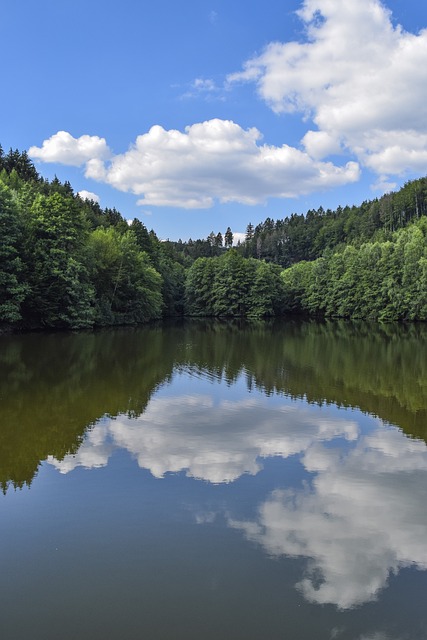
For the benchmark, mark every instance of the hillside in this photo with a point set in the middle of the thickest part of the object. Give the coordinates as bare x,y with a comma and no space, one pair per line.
68,263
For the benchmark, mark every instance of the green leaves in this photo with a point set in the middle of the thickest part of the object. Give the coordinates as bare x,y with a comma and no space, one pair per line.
128,288
61,294
231,285
55,273
379,280
13,288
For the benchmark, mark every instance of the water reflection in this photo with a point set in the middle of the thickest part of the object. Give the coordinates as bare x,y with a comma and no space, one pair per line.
54,387
361,518
218,403
216,443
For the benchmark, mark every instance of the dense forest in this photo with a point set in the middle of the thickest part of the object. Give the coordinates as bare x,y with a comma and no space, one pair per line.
67,263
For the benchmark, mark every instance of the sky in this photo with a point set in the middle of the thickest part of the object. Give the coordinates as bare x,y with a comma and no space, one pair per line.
199,115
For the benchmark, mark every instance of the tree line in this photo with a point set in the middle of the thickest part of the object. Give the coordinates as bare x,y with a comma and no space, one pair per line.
66,262
308,237
382,280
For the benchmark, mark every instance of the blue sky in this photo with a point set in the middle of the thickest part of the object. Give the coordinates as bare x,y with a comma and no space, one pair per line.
200,115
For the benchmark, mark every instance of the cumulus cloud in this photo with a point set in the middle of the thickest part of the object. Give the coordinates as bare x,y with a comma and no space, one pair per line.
359,77
88,195
238,236
95,169
63,148
357,523
210,161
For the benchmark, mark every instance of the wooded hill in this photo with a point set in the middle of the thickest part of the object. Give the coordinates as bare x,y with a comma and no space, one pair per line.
68,263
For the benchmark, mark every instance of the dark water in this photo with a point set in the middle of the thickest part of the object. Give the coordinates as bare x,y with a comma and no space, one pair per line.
215,481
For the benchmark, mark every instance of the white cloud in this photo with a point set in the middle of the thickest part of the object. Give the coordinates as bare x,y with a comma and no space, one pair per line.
238,235
95,169
212,160
358,523
94,452
205,89
383,185
63,148
88,195
204,84
320,144
360,83
359,519
361,79
205,447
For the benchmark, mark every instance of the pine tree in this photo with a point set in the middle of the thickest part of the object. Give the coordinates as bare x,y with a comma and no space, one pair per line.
13,289
228,238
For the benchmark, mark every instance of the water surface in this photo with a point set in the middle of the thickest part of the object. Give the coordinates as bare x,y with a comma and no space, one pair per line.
215,480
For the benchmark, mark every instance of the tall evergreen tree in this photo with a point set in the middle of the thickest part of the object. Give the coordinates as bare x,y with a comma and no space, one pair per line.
228,238
61,294
13,289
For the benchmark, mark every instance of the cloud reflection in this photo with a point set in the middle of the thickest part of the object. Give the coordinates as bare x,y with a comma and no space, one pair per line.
362,518
215,443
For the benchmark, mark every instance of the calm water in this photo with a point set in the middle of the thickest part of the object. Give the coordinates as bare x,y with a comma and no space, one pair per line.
215,481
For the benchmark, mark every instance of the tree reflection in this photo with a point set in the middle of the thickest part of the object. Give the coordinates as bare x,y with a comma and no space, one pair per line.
55,387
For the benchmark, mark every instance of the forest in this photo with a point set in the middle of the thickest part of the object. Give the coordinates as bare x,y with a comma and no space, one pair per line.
67,263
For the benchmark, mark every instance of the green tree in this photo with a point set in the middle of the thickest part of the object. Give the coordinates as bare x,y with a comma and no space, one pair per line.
61,294
128,288
173,283
199,287
142,235
219,240
228,238
13,289
414,252
296,283
266,292
232,284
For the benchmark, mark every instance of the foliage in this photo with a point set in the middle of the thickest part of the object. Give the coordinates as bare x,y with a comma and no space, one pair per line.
378,280
307,237
232,285
127,287
13,289
60,291
66,262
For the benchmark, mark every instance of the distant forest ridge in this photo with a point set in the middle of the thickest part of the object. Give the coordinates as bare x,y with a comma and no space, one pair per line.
66,262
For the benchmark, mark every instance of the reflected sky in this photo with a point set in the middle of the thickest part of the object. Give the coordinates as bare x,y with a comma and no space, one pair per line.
214,480
361,518
358,516
212,439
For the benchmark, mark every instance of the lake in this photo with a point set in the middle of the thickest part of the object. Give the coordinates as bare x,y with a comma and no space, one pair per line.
205,480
